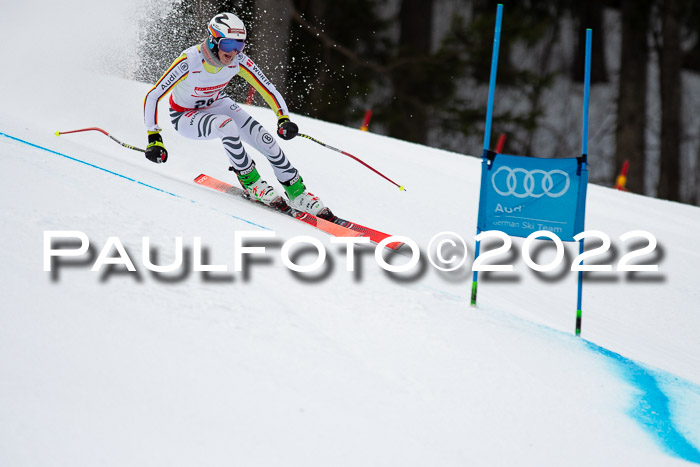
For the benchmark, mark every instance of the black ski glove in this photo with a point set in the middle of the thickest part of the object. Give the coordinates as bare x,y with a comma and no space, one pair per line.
155,151
286,129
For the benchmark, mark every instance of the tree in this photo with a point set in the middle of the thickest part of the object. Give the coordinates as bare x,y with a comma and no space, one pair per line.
269,32
632,91
338,70
411,110
670,80
696,178
531,25
311,66
589,14
335,51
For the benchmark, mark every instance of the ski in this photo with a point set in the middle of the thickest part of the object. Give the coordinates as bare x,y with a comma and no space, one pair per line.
375,236
329,227
337,227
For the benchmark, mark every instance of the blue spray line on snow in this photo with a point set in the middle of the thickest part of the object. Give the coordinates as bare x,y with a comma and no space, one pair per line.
652,409
121,176
652,406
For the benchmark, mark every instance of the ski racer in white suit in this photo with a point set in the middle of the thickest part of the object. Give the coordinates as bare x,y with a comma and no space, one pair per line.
199,110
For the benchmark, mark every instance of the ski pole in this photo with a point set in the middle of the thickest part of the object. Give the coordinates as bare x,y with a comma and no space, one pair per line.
401,187
59,133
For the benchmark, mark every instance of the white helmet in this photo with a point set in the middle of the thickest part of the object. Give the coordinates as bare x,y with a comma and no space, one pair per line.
227,33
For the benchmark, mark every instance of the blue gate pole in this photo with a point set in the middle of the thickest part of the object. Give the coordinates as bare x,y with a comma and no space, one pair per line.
475,276
586,93
584,154
487,128
492,81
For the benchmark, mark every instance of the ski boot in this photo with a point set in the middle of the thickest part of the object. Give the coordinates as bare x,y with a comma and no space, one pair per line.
301,200
258,189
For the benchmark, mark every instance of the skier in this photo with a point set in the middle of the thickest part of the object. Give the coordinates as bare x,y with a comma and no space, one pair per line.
199,110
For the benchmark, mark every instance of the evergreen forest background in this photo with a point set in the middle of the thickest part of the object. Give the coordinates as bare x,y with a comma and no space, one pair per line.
423,66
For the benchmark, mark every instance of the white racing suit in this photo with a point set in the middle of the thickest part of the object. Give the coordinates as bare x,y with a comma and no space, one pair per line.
199,110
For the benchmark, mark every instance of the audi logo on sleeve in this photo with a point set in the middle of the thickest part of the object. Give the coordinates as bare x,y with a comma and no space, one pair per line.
534,183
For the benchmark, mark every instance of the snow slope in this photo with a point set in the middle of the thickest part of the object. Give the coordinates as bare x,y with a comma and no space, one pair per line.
269,367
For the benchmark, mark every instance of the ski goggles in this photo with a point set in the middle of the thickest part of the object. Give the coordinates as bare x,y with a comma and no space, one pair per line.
229,45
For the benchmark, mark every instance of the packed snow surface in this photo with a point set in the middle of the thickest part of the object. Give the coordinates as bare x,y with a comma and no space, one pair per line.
265,366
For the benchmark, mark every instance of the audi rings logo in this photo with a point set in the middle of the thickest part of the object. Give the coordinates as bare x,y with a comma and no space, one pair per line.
535,183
